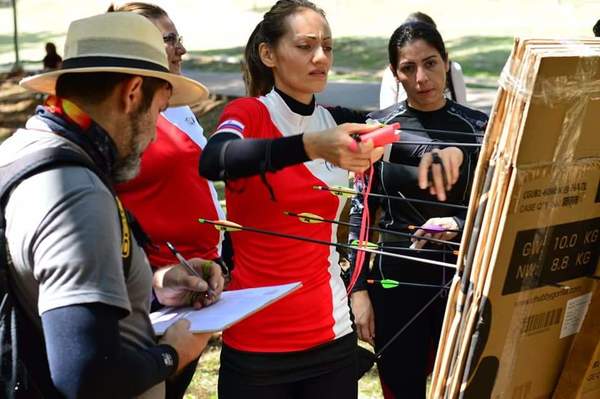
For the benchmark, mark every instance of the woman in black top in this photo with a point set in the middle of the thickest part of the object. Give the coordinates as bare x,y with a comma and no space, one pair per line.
418,52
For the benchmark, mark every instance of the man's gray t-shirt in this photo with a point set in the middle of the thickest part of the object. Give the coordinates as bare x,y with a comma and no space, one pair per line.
64,237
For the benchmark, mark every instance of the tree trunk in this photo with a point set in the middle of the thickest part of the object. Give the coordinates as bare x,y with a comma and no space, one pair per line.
15,34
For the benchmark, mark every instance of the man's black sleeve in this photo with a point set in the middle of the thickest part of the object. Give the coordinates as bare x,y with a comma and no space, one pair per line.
87,358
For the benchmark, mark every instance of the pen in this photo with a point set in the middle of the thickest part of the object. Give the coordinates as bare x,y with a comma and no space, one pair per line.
183,262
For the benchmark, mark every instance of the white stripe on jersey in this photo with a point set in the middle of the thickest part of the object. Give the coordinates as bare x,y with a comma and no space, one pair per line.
289,123
186,121
342,324
229,131
231,124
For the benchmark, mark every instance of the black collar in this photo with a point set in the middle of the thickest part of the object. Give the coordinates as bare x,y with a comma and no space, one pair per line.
296,106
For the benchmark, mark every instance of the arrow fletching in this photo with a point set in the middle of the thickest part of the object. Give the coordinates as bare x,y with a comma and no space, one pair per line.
338,191
364,244
306,217
223,225
388,283
385,283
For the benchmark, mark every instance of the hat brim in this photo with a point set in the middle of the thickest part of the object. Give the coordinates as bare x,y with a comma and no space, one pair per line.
185,91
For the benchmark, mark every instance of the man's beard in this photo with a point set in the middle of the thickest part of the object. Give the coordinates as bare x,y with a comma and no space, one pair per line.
127,168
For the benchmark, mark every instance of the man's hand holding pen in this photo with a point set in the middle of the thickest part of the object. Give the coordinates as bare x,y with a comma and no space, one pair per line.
175,286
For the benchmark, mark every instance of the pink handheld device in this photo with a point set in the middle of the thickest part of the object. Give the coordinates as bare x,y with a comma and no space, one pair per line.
379,137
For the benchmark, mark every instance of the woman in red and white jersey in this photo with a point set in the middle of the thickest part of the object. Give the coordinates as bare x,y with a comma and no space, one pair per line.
272,148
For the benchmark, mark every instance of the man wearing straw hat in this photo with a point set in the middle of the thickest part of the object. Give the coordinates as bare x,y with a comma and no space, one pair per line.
78,274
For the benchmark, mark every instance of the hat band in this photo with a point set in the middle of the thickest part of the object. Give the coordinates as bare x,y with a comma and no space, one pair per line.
102,61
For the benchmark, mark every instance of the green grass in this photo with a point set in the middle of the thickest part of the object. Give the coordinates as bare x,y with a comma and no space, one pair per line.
221,60
212,66
204,383
481,56
363,58
27,40
355,58
361,53
231,52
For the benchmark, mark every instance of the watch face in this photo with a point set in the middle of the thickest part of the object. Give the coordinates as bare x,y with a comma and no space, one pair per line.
167,359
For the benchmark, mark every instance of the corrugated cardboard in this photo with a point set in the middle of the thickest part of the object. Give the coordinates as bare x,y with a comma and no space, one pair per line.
532,235
580,378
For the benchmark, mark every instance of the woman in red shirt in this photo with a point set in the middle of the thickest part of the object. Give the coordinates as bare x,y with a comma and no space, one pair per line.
272,148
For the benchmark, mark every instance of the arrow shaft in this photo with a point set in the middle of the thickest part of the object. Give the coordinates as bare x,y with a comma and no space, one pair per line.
395,336
414,227
422,250
438,143
373,228
409,284
448,132
332,244
394,197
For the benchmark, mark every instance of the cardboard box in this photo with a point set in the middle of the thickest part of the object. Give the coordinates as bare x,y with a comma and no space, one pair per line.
525,324
533,231
580,378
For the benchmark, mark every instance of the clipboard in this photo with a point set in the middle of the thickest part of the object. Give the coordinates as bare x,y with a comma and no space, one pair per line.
232,307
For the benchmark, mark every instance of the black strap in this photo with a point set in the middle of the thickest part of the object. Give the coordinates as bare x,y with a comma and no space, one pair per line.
26,373
27,368
435,159
450,82
39,161
222,152
265,166
50,158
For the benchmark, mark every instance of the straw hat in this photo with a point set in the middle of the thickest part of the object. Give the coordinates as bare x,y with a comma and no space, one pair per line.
122,42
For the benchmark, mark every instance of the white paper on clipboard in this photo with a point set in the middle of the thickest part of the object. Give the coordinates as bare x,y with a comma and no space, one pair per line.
232,307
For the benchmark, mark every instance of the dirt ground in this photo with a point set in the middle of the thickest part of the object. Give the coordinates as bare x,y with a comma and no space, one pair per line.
16,104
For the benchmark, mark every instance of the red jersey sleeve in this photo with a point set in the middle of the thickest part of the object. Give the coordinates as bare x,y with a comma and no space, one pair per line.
242,116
